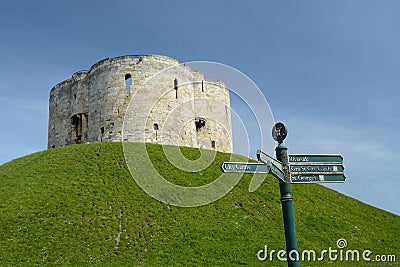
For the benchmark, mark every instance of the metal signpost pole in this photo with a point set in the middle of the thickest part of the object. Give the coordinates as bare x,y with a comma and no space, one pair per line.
279,133
287,210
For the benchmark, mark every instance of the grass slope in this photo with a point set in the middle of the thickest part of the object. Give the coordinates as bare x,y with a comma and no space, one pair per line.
79,206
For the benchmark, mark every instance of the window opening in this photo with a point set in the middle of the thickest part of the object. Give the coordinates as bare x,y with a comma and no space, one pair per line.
176,88
202,86
155,127
102,130
213,144
200,123
128,83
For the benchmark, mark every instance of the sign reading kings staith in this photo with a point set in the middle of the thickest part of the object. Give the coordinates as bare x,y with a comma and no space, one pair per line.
316,168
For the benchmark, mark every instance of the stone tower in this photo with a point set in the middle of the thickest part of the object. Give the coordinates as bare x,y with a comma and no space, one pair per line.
148,98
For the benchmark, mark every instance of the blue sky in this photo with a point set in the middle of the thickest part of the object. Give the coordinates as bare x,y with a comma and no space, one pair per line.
329,69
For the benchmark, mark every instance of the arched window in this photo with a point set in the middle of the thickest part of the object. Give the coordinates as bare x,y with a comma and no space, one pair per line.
155,127
213,144
128,83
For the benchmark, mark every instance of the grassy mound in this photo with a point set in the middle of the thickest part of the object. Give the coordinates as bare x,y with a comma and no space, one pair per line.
80,206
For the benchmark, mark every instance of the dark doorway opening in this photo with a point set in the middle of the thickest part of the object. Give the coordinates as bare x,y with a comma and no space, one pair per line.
79,128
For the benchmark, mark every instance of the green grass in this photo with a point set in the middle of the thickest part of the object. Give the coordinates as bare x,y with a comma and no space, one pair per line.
80,206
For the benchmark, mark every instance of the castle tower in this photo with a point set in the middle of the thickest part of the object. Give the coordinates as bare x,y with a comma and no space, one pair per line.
148,98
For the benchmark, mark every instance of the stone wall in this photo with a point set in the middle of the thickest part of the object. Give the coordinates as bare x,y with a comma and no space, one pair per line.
149,98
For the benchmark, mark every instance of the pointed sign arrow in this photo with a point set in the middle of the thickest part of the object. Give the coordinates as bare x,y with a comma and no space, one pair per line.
246,167
275,165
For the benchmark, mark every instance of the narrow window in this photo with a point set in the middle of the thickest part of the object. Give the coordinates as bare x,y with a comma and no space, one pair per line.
128,83
202,86
155,127
213,144
176,88
74,96
102,134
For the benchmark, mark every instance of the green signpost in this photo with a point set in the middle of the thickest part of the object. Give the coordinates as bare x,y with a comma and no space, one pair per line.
279,133
290,169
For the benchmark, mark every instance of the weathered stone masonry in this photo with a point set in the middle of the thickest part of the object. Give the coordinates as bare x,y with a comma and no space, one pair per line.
148,98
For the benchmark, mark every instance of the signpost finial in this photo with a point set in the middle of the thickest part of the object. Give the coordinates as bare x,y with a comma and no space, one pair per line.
279,132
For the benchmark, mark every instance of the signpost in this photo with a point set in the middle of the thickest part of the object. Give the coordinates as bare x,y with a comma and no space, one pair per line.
290,169
279,133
